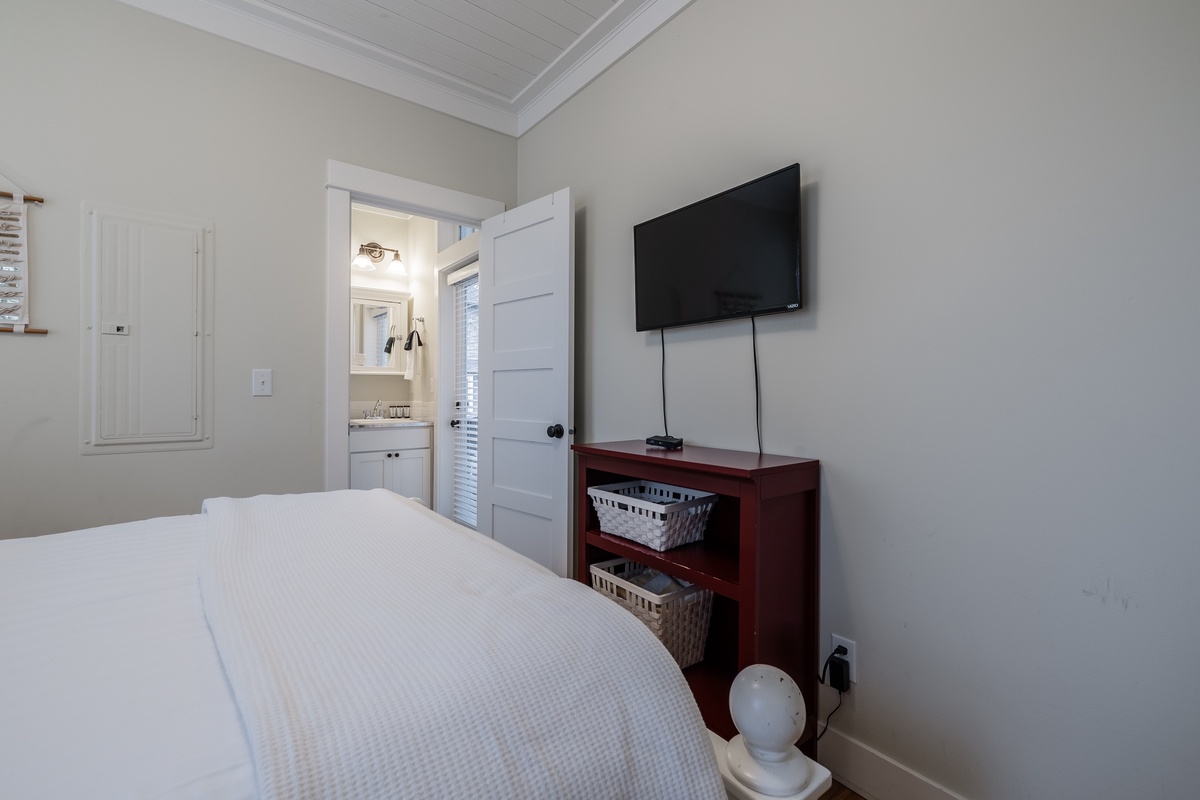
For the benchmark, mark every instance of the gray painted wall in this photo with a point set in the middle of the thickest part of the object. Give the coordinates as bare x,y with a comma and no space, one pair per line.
997,365
111,104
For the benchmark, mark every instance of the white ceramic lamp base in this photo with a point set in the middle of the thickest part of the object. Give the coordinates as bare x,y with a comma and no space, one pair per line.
820,780
768,711
783,778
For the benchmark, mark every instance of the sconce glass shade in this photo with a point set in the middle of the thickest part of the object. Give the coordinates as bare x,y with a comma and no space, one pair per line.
362,260
396,267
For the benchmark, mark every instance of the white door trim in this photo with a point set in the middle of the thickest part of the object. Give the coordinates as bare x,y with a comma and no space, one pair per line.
349,183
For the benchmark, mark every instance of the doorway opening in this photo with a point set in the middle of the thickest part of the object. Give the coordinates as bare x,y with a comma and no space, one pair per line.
525,378
450,214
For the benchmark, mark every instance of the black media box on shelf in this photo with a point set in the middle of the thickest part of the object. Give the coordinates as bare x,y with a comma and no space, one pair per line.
669,442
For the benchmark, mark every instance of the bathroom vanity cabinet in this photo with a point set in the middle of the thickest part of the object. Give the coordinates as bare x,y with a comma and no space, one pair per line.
759,555
393,458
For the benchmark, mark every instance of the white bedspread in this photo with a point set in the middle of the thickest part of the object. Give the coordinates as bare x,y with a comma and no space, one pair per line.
375,651
110,686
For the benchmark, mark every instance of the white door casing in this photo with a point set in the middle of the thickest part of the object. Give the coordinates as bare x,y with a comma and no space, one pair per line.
526,332
348,183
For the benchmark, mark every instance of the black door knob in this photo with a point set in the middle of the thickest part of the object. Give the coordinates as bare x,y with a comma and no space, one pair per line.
555,431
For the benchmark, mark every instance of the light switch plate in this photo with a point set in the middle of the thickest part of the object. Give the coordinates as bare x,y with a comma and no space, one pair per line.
262,383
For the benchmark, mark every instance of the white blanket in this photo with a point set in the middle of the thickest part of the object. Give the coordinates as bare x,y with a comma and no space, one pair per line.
110,686
376,651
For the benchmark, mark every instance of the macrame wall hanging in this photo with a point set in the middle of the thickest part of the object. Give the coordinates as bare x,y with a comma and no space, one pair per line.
14,260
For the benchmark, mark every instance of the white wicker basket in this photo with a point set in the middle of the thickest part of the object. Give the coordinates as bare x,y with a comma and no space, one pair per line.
679,619
657,515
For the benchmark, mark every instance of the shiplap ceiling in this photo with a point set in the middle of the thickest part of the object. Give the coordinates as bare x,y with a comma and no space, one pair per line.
503,64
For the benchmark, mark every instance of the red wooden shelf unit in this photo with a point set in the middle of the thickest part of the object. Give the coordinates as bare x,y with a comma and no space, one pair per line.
760,556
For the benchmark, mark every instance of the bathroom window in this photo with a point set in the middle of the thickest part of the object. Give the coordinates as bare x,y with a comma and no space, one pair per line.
450,233
379,325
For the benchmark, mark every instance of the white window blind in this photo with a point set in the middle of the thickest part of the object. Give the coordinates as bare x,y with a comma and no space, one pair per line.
379,336
465,284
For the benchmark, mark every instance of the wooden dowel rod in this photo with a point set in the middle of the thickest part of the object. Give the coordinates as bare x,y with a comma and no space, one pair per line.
28,197
10,329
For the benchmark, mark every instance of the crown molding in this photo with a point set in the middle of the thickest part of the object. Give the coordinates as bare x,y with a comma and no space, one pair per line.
271,30
601,46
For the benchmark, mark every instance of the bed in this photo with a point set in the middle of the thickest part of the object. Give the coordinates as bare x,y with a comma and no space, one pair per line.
343,644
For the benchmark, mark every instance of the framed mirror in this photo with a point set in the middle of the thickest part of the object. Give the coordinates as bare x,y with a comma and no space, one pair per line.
377,316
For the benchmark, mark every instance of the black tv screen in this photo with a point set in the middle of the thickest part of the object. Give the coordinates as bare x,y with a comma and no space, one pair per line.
735,254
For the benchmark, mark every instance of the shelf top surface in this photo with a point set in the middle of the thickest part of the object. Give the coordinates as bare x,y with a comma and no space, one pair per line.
695,457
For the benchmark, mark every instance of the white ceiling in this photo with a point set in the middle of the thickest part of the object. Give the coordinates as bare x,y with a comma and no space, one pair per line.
503,64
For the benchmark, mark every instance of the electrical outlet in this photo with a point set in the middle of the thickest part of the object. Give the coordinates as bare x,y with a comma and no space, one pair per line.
850,655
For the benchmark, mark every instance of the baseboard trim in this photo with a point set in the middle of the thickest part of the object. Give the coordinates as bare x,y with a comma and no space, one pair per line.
873,775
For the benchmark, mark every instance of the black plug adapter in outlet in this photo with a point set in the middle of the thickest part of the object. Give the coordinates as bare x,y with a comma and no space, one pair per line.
839,673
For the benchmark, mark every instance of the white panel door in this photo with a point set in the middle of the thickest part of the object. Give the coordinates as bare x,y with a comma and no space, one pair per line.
526,305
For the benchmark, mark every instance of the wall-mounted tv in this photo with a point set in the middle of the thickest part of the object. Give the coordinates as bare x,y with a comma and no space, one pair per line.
735,254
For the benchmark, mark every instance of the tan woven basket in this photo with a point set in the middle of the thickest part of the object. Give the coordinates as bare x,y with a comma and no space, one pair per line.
657,515
679,619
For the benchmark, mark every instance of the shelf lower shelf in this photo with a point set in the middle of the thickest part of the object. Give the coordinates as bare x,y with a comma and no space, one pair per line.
699,563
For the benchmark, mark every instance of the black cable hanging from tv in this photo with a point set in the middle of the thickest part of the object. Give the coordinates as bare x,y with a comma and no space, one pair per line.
662,341
757,395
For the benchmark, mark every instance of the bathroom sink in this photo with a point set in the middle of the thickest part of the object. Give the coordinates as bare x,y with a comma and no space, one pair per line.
386,422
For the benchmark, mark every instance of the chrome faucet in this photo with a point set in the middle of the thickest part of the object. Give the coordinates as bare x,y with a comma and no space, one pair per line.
377,411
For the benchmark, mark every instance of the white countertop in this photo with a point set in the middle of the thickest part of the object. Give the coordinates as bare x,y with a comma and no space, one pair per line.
388,422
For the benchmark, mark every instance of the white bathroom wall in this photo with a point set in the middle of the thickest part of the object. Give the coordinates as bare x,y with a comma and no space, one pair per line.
423,283
384,229
391,231
997,362
111,104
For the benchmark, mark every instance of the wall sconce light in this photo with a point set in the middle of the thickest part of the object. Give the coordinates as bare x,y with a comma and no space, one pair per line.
371,253
396,267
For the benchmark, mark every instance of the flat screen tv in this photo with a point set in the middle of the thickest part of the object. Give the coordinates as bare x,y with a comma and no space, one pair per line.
735,254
